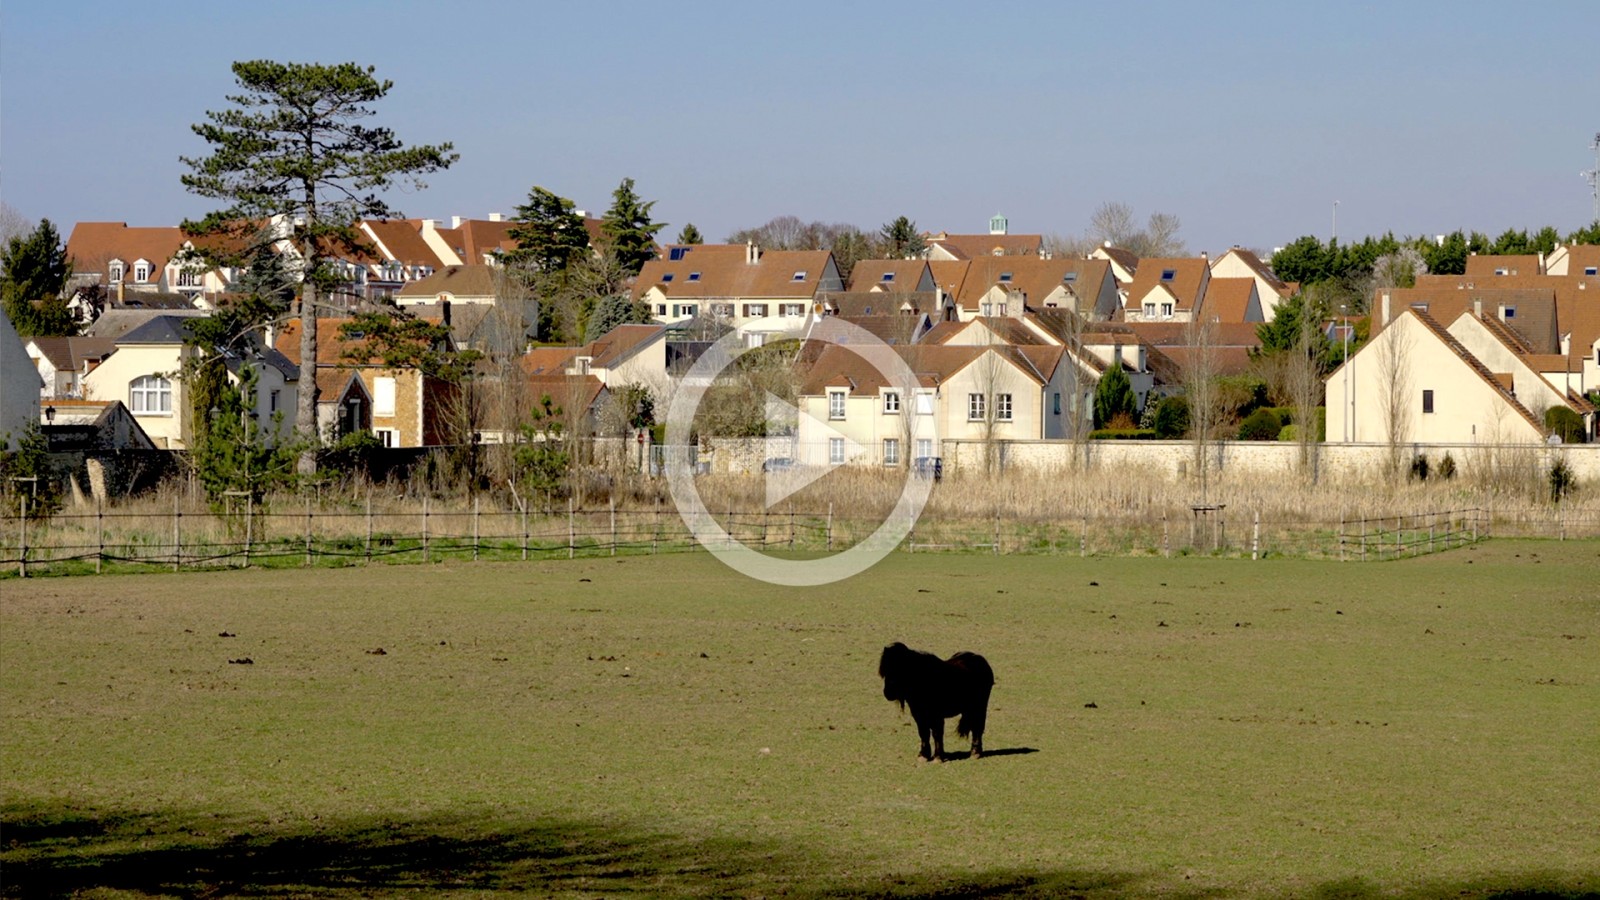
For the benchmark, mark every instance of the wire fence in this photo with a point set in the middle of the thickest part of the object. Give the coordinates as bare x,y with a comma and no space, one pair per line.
340,533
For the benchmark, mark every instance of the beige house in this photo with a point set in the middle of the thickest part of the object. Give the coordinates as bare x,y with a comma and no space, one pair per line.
1167,290
477,283
1012,285
758,293
144,373
851,413
1270,289
1418,381
998,242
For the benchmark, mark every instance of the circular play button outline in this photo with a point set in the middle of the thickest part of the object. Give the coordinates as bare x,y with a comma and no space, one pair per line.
741,557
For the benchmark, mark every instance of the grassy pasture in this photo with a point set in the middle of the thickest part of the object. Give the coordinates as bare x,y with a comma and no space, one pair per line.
662,726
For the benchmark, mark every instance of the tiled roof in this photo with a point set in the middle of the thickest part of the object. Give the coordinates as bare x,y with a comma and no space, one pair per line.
973,246
1185,277
1489,266
94,244
477,280
1228,299
71,353
402,239
777,274
1034,278
892,275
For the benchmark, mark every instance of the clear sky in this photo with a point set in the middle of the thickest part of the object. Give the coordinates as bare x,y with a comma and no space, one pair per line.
1247,120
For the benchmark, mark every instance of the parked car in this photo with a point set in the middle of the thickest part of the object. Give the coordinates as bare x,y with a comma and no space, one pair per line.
928,467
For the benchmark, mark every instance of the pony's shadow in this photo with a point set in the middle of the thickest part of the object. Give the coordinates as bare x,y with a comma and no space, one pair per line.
1007,751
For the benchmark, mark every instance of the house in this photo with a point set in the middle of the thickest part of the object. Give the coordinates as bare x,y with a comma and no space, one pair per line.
1421,382
133,264
895,276
477,283
1270,289
1124,263
1011,285
1490,265
998,242
758,293
403,407
63,361
1167,290
143,372
20,385
1232,300
1580,260
853,413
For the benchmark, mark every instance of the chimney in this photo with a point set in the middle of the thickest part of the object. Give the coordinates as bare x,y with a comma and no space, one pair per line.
429,225
455,221
496,217
751,254
1385,321
1477,307
444,312
1541,262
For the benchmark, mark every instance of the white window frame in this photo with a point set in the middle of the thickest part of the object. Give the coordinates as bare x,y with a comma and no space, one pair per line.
792,310
891,451
924,403
116,271
755,310
891,403
924,448
836,405
1002,407
1166,310
836,451
1150,310
141,271
976,407
388,437
150,395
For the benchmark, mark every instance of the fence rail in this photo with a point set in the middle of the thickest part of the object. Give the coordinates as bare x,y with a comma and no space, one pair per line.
345,534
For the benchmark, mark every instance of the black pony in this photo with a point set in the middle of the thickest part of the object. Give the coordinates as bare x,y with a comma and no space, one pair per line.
937,689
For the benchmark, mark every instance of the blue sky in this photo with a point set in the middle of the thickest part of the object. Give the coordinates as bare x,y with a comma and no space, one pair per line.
1245,120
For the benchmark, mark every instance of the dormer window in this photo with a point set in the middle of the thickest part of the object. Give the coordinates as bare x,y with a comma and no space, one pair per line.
799,276
1168,274
1150,310
141,271
583,364
114,271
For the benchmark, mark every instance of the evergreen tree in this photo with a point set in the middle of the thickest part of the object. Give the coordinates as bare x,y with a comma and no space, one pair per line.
902,240
615,310
295,147
33,274
234,454
549,233
630,235
690,235
1113,396
1589,234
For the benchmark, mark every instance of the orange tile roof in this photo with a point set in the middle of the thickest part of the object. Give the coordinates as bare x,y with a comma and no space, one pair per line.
723,274
973,246
1187,281
906,275
1228,299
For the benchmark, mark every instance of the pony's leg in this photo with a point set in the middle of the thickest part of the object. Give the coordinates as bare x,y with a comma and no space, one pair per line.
938,740
924,732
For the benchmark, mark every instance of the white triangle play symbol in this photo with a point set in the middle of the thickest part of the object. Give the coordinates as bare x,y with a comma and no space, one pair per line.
782,481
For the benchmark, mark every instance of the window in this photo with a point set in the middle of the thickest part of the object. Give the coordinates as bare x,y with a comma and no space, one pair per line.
924,447
836,451
1002,407
694,276
925,403
141,271
1500,272
687,309
799,276
1069,278
891,403
1002,310
755,310
891,451
722,309
188,277
988,309
1591,270
1166,310
388,437
1150,310
974,407
1427,402
1055,403
836,404
661,309
667,278
792,310
383,396
1005,276
151,395
889,276
677,253
272,405
1510,312
114,271
1168,274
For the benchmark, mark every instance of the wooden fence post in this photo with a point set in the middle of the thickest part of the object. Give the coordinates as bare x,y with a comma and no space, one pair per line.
99,535
475,531
1255,537
368,546
22,539
308,531
830,527
524,507
249,526
424,527
613,525
177,532
572,534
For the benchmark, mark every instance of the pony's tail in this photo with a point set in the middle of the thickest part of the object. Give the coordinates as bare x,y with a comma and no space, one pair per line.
971,720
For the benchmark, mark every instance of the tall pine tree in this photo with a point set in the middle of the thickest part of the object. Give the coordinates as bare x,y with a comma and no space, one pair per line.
33,273
629,233
549,233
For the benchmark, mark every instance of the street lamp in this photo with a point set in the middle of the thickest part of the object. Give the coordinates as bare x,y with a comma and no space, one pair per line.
49,415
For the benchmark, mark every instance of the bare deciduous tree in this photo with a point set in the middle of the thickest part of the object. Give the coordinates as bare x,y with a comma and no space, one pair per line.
1205,399
1392,358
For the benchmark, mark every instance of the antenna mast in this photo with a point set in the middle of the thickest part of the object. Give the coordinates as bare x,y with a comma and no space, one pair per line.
1593,176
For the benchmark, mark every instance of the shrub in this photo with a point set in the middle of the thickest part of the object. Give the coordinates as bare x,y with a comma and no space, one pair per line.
1289,432
1419,467
1261,425
1447,467
1562,481
1565,423
1123,434
1172,418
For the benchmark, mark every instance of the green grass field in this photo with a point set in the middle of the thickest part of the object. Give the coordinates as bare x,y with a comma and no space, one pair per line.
660,726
